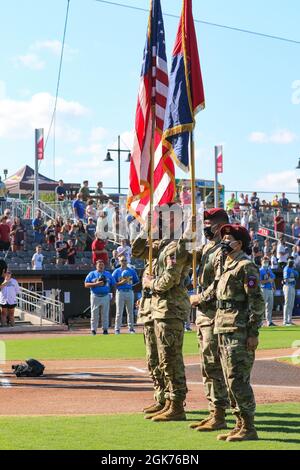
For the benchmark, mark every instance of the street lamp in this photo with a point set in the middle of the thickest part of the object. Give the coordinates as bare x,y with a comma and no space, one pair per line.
298,168
119,151
5,174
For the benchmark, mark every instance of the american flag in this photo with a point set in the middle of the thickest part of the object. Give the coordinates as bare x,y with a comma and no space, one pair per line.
153,92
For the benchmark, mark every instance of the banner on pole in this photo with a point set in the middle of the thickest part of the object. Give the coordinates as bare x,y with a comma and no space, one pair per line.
219,153
39,144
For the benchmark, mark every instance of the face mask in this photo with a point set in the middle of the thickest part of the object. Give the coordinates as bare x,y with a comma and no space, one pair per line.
226,247
208,233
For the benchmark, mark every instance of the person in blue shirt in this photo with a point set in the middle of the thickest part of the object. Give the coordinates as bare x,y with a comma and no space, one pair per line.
267,278
290,276
102,284
125,278
79,207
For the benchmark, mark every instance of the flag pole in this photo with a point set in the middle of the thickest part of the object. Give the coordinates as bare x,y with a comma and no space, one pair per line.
150,216
194,209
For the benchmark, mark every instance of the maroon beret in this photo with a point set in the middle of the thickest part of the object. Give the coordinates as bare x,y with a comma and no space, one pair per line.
212,214
238,232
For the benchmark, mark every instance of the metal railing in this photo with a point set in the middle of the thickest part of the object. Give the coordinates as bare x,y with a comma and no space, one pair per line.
45,308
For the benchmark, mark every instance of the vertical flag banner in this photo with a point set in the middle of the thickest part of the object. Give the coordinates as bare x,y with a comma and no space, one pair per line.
152,100
219,163
39,144
186,93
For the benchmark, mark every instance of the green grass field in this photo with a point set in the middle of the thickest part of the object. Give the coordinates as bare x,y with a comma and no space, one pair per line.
122,347
278,427
293,361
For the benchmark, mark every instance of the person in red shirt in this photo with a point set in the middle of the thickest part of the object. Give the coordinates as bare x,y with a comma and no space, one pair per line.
99,251
279,225
4,234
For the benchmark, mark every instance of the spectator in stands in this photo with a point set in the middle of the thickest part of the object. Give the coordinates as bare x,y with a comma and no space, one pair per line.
253,235
79,207
99,252
256,253
81,237
284,203
290,276
85,191
66,228
241,201
231,203
255,202
274,260
267,281
90,210
279,224
109,208
50,235
3,191
71,252
125,279
185,196
91,232
267,249
9,290
296,228
296,257
61,247
209,200
275,202
9,220
124,250
72,234
102,225
37,259
18,235
38,226
115,261
232,218
282,253
132,227
118,225
4,234
245,219
99,190
264,206
253,220
101,283
60,191
59,222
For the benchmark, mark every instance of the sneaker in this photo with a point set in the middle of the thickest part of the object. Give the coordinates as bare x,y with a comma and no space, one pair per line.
131,331
117,332
93,332
105,332
271,324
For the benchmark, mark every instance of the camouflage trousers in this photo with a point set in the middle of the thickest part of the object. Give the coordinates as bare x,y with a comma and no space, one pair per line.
211,368
153,362
237,363
169,334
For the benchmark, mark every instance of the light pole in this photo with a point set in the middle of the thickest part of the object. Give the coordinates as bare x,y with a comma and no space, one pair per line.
119,151
298,180
5,174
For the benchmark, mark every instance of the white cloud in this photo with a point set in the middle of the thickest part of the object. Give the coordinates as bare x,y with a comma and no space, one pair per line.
53,46
19,118
98,134
31,61
282,136
283,181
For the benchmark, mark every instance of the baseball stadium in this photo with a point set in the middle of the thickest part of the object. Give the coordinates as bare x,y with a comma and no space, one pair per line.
145,306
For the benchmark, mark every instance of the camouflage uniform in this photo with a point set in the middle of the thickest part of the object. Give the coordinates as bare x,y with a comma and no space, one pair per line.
239,315
140,250
170,308
211,368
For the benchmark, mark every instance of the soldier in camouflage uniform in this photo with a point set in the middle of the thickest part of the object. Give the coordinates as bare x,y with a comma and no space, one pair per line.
211,368
170,307
141,251
240,312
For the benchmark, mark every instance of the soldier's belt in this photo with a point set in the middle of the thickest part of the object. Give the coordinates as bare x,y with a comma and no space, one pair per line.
230,304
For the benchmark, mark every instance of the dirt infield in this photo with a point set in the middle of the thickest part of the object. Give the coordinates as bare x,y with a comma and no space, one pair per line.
85,387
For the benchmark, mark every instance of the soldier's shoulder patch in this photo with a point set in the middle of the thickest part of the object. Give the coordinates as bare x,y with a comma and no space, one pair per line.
252,282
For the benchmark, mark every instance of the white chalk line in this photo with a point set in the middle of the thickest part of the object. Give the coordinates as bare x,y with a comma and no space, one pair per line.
5,383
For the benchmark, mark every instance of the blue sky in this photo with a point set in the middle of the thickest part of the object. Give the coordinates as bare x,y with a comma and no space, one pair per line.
251,105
